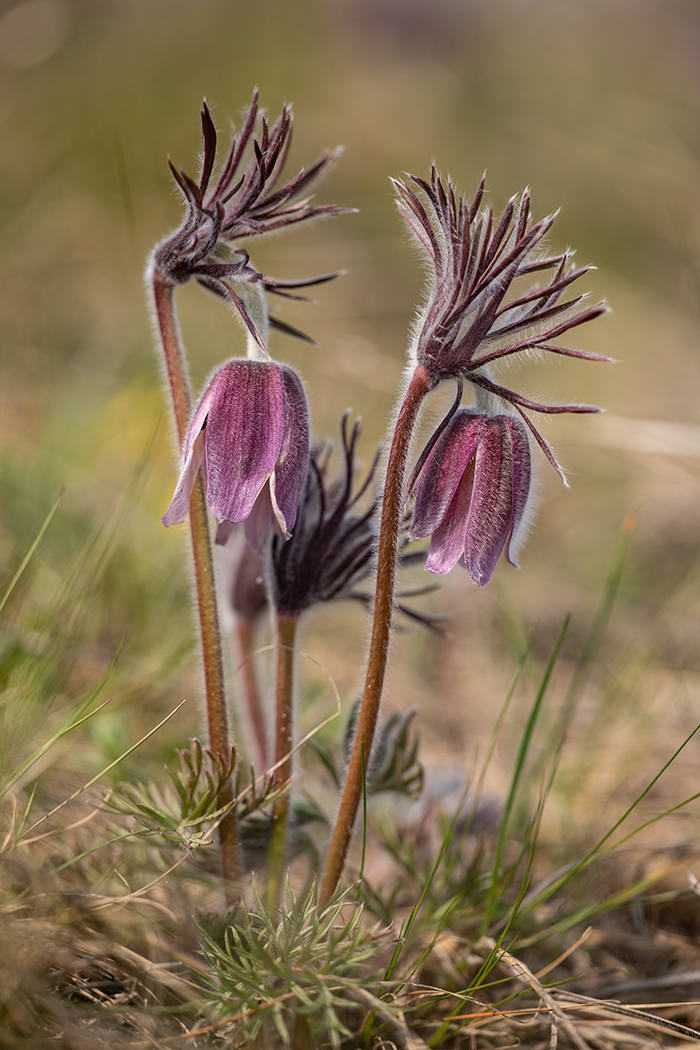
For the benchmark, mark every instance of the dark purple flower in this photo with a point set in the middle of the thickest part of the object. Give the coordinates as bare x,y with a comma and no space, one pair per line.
472,492
242,201
474,315
332,546
332,550
249,436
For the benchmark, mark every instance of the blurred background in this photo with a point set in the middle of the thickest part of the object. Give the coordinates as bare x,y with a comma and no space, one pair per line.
594,104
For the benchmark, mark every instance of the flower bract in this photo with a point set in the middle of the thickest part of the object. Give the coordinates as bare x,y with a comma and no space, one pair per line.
243,199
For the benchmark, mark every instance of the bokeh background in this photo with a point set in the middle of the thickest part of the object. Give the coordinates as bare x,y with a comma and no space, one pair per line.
594,104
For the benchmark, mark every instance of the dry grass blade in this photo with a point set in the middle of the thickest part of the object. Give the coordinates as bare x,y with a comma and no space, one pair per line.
409,1039
523,973
140,966
630,1012
564,955
667,980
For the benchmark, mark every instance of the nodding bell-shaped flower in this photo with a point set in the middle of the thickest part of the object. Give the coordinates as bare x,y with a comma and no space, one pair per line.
477,312
249,437
472,492
332,550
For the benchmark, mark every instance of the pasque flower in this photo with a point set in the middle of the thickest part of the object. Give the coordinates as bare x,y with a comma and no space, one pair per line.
332,549
249,437
477,312
242,201
474,476
472,492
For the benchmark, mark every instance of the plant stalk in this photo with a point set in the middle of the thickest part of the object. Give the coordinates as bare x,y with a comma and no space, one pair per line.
286,627
392,513
245,632
176,366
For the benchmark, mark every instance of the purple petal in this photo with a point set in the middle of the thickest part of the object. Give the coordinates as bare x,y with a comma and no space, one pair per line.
522,480
448,540
199,419
244,434
260,520
289,475
491,509
223,532
180,503
443,470
194,459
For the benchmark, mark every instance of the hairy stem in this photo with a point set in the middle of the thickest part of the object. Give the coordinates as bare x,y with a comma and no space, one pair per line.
284,694
176,366
245,633
392,511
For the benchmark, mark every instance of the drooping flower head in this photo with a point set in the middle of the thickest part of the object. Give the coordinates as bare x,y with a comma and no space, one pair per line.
249,437
472,492
332,549
243,200
477,311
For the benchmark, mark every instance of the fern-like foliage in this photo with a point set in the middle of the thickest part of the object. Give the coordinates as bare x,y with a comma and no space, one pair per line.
395,765
185,809
315,967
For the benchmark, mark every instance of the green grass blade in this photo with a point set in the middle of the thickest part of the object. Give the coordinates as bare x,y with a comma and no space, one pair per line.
30,553
406,928
597,851
522,660
593,642
102,772
78,719
517,775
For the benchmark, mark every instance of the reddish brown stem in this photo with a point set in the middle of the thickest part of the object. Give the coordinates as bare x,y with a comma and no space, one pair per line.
286,637
163,293
174,354
392,511
245,632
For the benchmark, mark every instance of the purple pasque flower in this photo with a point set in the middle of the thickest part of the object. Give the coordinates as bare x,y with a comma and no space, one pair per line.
477,312
332,549
243,200
249,437
472,492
